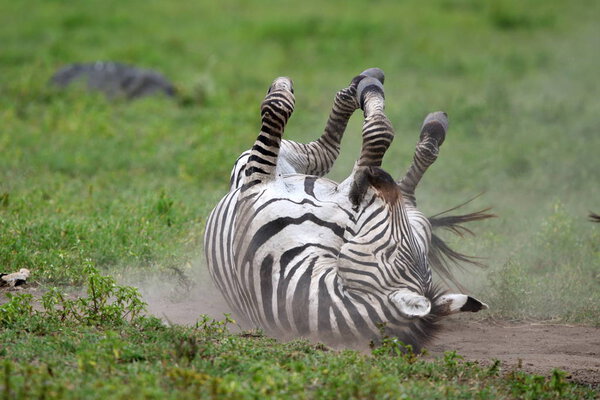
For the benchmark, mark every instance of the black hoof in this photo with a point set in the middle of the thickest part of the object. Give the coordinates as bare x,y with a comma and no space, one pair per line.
369,73
435,125
366,85
376,73
282,83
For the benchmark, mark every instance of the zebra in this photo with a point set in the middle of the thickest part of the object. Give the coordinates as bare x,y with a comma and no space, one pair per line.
594,217
297,254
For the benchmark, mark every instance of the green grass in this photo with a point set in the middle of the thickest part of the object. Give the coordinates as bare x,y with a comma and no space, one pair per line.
127,187
184,363
89,348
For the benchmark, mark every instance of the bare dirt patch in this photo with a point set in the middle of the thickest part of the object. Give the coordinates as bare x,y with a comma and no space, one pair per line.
184,307
31,289
535,347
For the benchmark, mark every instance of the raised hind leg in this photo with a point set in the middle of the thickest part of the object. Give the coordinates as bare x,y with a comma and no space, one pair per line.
276,109
432,136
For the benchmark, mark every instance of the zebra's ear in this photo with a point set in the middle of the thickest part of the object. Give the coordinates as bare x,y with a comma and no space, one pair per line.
453,303
411,304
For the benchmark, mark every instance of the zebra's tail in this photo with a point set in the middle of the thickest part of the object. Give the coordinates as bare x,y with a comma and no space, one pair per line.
441,256
594,217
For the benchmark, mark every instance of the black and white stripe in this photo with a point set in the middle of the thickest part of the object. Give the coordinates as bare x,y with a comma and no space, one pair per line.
297,254
317,157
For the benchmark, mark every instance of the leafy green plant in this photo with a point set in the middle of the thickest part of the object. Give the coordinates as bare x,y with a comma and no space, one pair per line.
16,309
392,346
212,327
530,386
106,304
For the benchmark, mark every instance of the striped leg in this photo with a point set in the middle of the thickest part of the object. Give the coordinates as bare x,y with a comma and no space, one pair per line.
377,135
276,109
318,157
432,136
377,131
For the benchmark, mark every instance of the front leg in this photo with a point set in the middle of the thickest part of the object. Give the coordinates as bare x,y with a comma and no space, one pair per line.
432,136
317,157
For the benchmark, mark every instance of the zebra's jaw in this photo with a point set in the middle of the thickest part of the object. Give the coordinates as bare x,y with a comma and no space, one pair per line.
411,304
454,303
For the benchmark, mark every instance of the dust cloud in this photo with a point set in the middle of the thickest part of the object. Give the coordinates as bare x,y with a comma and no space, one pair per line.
180,295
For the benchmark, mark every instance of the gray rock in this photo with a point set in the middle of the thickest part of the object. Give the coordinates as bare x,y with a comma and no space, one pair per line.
14,279
115,79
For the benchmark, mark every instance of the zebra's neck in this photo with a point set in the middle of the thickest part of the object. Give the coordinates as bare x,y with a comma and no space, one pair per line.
390,260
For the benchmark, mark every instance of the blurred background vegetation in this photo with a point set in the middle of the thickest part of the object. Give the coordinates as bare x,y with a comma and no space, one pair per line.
128,186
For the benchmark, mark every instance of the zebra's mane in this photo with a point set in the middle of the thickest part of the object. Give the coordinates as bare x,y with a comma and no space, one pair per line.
442,258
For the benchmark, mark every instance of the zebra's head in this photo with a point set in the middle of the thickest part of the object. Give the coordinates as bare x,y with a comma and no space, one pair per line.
389,241
387,244
387,247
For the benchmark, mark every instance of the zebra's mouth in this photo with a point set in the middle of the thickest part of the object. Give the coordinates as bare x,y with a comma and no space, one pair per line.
453,303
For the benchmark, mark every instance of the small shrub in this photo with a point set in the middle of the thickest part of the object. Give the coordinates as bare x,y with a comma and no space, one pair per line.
16,309
392,346
4,199
213,328
106,303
